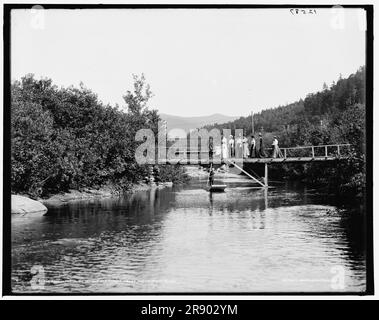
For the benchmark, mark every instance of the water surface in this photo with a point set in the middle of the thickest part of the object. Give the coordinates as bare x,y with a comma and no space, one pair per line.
183,239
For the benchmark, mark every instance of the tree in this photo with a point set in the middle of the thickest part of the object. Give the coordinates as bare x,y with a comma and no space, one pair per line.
342,111
67,139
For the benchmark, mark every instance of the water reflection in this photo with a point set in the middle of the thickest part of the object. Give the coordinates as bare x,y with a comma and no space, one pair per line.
186,239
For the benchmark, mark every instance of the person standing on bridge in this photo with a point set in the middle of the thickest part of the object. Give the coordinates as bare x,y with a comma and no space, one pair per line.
231,147
276,153
245,147
224,148
253,148
239,146
261,153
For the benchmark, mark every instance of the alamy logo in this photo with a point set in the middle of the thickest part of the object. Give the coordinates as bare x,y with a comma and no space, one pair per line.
200,145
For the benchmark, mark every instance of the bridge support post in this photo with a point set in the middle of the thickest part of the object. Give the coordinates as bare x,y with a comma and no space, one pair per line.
249,175
266,175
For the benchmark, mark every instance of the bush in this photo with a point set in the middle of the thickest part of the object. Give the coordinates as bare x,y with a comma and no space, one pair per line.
67,139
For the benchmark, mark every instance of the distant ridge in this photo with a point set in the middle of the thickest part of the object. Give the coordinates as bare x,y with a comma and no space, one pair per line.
187,123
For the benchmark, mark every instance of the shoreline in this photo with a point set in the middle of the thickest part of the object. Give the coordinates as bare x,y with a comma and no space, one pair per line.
102,193
109,191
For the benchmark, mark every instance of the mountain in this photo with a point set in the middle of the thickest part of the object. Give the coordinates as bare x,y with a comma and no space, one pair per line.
187,123
316,109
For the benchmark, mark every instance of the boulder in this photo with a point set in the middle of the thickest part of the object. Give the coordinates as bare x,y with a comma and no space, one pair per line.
22,205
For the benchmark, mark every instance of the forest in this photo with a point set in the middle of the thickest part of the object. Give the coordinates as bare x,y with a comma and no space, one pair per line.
334,115
65,138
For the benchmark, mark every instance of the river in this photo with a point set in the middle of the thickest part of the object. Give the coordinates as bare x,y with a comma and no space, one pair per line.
184,239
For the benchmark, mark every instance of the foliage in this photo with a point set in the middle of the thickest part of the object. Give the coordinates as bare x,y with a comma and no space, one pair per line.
175,174
334,115
65,138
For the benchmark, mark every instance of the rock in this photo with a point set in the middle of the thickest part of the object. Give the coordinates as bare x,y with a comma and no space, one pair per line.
22,205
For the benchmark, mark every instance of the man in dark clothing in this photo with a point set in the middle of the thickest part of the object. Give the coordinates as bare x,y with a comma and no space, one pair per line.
262,153
211,176
253,147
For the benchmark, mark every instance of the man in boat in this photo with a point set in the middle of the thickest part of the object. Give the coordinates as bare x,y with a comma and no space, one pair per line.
211,176
224,148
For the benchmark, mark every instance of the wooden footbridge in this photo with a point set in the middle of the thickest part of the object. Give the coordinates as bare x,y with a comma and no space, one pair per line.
330,152
302,154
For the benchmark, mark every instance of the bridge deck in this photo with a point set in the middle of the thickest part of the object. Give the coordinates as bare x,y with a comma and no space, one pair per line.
291,159
300,154
251,160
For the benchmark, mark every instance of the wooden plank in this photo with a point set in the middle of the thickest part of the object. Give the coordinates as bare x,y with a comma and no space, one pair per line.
297,159
251,160
248,174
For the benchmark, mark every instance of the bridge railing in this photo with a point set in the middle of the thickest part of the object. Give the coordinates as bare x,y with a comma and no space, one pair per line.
319,151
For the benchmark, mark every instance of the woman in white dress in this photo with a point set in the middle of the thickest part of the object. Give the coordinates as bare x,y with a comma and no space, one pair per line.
239,146
245,147
231,147
276,153
224,148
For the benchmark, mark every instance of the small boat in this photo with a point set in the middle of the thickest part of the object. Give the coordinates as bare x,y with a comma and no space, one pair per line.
217,188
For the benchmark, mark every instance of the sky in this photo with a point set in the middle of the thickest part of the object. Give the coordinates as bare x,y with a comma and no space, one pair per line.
197,61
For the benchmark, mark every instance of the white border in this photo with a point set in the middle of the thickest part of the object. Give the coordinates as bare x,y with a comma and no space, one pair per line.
209,297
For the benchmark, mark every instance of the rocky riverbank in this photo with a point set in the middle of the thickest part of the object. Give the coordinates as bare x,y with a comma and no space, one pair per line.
25,205
106,192
203,173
